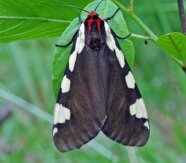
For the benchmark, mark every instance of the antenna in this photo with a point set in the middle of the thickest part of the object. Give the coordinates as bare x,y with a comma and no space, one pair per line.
98,5
75,7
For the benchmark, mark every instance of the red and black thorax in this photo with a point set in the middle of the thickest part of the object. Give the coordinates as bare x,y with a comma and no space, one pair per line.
95,35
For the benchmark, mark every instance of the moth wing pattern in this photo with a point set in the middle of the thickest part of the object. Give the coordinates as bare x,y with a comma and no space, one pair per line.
98,92
79,113
127,120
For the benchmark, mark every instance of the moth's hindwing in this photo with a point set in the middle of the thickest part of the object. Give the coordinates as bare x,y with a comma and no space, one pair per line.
127,120
80,109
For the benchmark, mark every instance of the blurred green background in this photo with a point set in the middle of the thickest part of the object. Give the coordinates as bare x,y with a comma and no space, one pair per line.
26,90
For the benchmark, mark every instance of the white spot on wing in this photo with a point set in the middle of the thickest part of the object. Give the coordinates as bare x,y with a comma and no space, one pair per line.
61,114
130,80
55,130
112,45
65,84
138,109
109,38
72,60
146,124
80,43
120,57
133,109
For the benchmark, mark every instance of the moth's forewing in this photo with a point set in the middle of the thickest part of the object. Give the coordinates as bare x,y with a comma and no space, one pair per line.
98,92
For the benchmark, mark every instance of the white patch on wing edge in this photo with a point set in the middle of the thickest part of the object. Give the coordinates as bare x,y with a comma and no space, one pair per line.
112,45
138,109
130,80
72,60
80,43
65,84
146,124
61,113
55,130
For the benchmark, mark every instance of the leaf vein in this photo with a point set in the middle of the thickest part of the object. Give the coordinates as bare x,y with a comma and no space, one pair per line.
13,27
35,18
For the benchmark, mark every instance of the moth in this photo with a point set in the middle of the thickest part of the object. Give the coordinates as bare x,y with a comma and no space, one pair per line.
98,91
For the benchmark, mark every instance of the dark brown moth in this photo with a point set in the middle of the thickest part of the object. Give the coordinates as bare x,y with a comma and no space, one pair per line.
98,91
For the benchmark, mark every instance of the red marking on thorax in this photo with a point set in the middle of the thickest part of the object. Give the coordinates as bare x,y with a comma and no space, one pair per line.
97,20
92,19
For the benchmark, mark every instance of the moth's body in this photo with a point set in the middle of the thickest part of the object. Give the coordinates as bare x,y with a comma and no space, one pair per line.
98,92
95,32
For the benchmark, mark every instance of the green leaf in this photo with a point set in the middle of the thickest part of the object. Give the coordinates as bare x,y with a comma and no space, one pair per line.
61,55
25,19
175,45
128,50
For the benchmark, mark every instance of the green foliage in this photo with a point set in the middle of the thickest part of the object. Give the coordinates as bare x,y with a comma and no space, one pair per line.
25,19
118,24
61,55
25,86
175,45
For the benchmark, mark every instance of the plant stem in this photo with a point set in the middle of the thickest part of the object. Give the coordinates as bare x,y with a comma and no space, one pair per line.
25,105
132,155
138,20
133,35
144,27
182,15
131,5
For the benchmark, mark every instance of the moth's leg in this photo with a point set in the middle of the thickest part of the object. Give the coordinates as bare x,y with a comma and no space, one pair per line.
125,37
112,15
62,46
80,19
